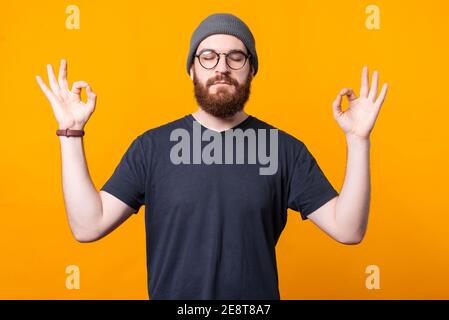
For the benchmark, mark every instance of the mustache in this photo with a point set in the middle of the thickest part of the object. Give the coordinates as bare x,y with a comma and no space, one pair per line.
222,78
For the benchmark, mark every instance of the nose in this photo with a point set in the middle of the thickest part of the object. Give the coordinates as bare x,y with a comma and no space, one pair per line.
222,67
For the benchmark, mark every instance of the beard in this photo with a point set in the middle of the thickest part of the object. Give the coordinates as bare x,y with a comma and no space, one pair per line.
223,103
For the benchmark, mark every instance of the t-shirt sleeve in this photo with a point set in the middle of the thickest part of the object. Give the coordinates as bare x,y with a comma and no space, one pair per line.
127,182
309,188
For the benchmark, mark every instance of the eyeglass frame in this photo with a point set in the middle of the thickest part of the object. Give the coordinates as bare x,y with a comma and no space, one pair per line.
247,57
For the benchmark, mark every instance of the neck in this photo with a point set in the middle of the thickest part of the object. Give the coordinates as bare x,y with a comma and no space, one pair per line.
218,124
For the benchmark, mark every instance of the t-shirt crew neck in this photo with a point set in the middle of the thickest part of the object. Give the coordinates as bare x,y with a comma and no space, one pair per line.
241,125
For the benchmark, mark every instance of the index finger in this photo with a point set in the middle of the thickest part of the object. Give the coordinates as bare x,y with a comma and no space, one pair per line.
78,85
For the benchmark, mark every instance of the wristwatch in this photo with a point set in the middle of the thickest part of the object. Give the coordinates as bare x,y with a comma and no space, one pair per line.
70,133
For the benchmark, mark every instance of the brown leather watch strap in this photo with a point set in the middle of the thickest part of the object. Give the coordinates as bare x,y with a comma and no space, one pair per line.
70,133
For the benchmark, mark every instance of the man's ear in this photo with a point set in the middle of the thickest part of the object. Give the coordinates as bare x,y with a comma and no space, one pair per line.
191,73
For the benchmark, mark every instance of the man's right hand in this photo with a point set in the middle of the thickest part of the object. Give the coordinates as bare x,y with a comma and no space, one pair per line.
69,110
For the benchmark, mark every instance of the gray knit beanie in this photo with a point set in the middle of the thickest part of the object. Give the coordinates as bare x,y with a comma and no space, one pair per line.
223,23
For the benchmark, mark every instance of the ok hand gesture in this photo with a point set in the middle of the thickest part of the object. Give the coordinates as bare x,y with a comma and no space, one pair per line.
358,120
69,110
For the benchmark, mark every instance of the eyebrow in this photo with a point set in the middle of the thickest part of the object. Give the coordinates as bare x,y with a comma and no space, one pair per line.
208,49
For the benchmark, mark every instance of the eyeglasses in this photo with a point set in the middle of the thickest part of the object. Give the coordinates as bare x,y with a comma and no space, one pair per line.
235,59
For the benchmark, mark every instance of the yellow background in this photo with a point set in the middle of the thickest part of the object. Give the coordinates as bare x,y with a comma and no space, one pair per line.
133,53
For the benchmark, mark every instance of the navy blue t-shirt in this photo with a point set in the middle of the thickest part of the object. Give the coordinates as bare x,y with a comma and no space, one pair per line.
211,229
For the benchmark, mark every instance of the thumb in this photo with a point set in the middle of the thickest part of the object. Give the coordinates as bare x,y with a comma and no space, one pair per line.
91,97
336,106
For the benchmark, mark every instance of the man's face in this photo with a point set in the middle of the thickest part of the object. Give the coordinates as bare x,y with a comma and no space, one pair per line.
221,100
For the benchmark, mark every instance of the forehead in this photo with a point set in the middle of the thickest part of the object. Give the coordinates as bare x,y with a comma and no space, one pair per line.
221,43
